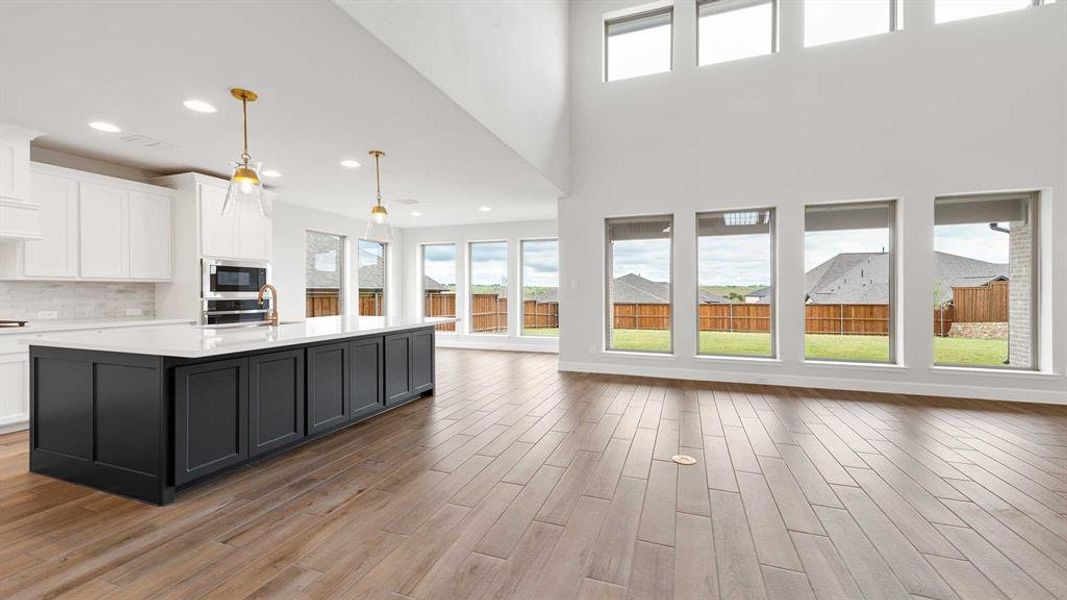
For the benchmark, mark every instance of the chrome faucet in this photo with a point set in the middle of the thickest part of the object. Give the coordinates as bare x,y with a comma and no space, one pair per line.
273,316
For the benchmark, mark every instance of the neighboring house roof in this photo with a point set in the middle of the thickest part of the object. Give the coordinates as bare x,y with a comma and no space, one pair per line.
761,293
429,284
863,277
634,289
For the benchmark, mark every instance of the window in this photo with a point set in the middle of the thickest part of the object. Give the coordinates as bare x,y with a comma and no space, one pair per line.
638,45
639,284
732,29
439,282
324,274
985,284
540,287
489,287
372,278
956,10
827,21
848,257
735,278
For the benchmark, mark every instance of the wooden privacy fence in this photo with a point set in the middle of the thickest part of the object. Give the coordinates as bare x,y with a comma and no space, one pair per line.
735,317
489,313
440,305
371,303
984,304
323,302
540,315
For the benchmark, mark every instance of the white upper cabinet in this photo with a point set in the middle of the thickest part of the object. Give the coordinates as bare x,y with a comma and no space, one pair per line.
245,234
218,233
150,236
20,217
56,254
254,238
105,226
94,227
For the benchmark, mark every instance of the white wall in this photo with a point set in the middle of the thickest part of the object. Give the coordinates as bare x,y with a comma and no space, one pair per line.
970,106
291,224
462,235
505,63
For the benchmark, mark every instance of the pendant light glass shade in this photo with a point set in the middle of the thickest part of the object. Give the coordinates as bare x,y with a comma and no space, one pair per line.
246,186
378,228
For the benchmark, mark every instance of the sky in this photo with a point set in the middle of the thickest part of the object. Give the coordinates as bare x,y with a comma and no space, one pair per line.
439,263
650,259
489,263
973,241
734,260
540,263
821,246
370,252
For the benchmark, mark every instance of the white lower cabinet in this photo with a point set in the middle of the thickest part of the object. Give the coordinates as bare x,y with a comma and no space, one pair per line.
14,389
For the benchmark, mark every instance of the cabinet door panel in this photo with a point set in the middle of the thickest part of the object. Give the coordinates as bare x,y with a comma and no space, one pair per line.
56,253
218,234
366,377
211,418
422,367
104,217
327,386
397,368
150,219
275,400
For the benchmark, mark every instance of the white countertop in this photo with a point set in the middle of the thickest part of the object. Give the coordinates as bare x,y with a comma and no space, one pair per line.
44,325
195,341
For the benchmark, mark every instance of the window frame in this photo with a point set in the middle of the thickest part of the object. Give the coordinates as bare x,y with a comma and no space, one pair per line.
773,324
1033,199
385,277
732,5
1033,4
894,229
609,269
342,301
422,279
469,329
896,23
637,16
522,284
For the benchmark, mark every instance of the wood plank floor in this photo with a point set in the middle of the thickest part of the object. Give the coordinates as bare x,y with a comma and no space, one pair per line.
519,481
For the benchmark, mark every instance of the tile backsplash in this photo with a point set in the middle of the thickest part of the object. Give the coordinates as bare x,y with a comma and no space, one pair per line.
76,301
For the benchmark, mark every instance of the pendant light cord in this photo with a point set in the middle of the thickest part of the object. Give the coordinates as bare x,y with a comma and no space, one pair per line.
378,177
244,112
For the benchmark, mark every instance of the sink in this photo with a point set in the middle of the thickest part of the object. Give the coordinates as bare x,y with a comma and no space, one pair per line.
245,325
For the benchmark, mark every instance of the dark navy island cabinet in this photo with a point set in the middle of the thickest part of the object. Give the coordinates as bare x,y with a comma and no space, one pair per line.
145,426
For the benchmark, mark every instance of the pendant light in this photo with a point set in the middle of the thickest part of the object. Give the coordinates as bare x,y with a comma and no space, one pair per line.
378,228
245,184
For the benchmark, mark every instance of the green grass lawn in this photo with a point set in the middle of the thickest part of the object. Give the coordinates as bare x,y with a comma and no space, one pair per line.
948,351
545,332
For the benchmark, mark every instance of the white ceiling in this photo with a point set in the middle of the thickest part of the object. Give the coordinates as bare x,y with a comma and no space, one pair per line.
328,91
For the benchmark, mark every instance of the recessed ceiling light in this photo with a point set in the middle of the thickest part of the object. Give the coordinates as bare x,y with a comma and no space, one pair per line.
271,173
416,213
105,126
349,163
199,106
485,208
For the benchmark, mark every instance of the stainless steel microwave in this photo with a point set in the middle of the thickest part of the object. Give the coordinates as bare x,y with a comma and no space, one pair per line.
233,280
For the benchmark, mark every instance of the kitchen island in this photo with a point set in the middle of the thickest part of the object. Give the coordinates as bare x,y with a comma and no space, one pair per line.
144,413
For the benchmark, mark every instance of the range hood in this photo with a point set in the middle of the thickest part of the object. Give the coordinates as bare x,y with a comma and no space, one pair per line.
20,216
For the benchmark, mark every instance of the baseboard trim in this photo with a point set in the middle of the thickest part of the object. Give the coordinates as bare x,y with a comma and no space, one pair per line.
834,383
13,426
508,346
